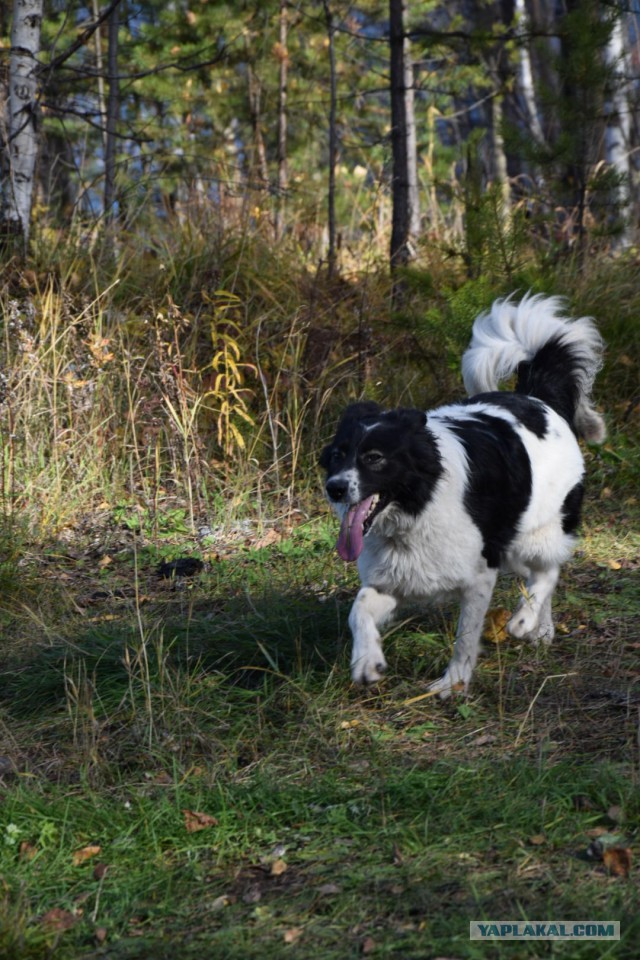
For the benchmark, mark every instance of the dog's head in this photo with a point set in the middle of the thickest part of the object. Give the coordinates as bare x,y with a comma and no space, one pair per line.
377,458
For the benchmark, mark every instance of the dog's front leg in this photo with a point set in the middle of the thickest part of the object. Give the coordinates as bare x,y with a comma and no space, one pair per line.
473,607
532,618
370,609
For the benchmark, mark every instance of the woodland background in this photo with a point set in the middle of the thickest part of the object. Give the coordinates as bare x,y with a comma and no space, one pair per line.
236,208
220,222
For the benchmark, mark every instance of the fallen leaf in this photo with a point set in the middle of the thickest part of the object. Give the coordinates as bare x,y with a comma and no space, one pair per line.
81,856
537,839
195,821
27,851
597,832
617,860
58,919
290,936
270,537
496,625
349,724
368,945
278,867
100,870
614,565
100,933
105,561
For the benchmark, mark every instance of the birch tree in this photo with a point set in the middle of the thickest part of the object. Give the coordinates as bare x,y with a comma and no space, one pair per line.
22,133
618,120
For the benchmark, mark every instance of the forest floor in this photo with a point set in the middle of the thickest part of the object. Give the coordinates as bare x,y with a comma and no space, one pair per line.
187,770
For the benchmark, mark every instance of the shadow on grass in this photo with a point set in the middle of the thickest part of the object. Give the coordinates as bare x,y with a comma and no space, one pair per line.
245,640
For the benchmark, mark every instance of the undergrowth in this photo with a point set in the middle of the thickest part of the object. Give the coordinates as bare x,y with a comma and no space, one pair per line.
185,768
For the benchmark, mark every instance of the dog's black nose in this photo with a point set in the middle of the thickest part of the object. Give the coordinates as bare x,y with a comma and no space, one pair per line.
337,489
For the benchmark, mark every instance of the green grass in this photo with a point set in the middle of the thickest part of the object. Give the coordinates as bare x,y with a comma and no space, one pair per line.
393,820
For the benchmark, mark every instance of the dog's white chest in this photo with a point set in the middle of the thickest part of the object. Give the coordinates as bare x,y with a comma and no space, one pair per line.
425,560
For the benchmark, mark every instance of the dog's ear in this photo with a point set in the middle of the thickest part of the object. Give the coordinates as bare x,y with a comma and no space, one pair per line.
414,419
360,410
325,456
353,414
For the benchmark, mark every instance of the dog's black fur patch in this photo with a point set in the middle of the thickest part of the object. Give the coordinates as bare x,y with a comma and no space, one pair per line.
411,462
498,486
528,411
571,509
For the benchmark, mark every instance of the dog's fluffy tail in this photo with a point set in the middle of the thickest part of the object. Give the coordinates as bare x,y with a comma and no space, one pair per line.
555,358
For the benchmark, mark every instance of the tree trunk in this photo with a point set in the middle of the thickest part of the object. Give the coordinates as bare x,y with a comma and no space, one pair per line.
404,189
499,158
283,179
525,75
333,141
113,108
412,144
22,150
618,129
259,162
100,74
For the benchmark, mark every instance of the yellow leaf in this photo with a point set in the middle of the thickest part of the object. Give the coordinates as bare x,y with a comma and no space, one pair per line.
278,867
614,565
537,839
496,625
81,856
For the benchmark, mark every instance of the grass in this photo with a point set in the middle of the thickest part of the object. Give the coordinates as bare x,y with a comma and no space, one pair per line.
137,707
343,820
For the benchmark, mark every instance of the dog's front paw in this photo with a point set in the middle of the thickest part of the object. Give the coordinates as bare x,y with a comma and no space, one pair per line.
368,668
455,679
524,623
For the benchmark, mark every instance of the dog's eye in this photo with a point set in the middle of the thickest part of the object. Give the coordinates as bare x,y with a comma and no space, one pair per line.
372,458
337,455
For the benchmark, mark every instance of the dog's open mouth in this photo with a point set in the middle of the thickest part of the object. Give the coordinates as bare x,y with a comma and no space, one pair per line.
355,526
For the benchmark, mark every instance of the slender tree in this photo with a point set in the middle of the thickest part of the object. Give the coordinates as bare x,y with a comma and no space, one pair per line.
283,176
618,124
333,139
22,146
113,108
405,214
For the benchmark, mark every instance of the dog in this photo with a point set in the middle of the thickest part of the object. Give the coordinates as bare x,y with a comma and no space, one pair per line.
433,505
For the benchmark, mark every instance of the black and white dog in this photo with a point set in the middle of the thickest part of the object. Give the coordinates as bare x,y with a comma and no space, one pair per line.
436,504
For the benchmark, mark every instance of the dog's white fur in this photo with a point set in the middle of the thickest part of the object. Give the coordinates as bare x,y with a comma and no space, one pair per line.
438,554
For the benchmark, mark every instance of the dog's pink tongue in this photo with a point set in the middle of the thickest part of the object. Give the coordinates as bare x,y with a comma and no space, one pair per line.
351,537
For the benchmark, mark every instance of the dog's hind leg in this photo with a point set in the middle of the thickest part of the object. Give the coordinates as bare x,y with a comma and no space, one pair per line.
370,609
532,619
474,605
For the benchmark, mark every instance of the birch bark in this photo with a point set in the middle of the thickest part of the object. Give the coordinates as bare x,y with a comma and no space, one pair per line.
22,149
618,128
